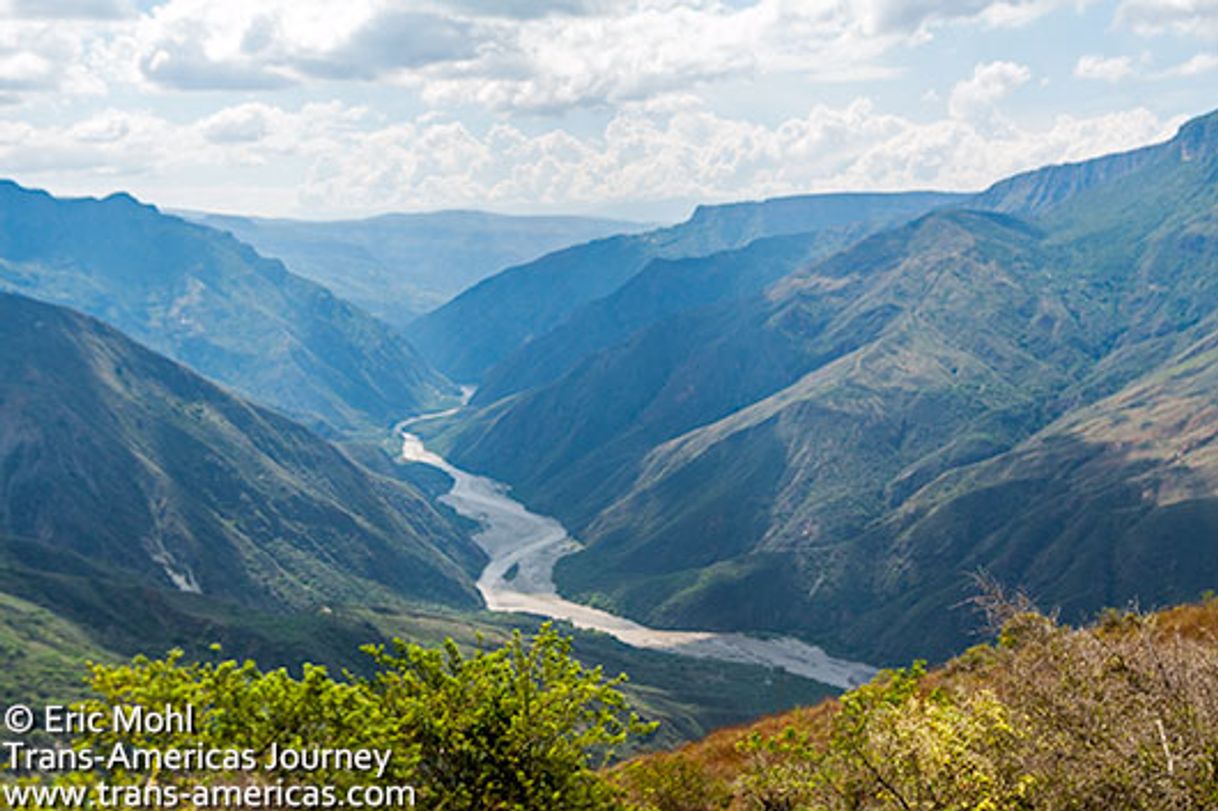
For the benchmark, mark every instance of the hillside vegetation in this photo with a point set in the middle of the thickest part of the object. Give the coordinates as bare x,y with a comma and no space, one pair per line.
214,304
500,315
121,457
143,508
1119,715
831,450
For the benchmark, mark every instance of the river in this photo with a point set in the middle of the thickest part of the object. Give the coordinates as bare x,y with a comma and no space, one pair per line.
524,546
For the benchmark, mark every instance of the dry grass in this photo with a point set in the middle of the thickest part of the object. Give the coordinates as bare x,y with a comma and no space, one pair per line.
1121,715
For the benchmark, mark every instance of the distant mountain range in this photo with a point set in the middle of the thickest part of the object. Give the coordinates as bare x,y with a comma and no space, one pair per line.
211,302
813,415
486,324
399,266
824,423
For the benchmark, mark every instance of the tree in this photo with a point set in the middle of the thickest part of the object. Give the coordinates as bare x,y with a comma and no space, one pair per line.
520,727
515,728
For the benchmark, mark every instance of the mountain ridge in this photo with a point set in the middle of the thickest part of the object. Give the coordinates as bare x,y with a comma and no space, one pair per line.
909,356
398,266
201,491
213,303
484,325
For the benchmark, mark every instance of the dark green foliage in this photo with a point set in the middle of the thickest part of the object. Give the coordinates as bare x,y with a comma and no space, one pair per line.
518,727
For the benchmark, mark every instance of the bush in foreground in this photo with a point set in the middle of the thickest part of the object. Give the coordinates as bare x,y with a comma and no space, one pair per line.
522,727
1121,715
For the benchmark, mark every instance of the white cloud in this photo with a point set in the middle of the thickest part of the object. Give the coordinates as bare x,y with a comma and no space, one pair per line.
560,62
977,96
1189,17
647,65
1194,66
913,16
1108,69
46,56
246,123
696,155
347,163
24,70
66,9
505,55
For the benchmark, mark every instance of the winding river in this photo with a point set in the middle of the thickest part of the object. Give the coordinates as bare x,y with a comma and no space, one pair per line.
524,546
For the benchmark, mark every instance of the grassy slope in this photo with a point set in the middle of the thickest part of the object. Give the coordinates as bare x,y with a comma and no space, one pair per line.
1126,495
812,460
41,655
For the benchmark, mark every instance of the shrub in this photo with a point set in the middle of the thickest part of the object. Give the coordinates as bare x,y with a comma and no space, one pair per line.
520,727
1117,716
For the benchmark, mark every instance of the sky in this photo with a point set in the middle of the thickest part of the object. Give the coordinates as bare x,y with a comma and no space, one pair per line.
638,109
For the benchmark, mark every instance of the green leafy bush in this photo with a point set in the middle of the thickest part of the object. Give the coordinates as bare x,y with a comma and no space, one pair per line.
521,727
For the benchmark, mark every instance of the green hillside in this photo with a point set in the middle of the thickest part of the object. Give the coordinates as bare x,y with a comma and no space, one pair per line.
755,463
487,323
41,655
212,303
126,458
143,508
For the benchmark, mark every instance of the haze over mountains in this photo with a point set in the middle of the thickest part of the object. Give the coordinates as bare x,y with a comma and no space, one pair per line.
482,326
399,266
214,304
812,415
832,451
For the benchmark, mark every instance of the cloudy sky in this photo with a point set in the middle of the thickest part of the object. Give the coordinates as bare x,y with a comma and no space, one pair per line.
639,108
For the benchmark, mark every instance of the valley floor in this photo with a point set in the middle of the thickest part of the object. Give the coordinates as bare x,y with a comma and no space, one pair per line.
523,548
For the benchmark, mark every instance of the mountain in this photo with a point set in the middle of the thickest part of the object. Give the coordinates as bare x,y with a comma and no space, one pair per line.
487,323
663,289
1126,507
124,459
143,509
212,303
399,266
832,455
